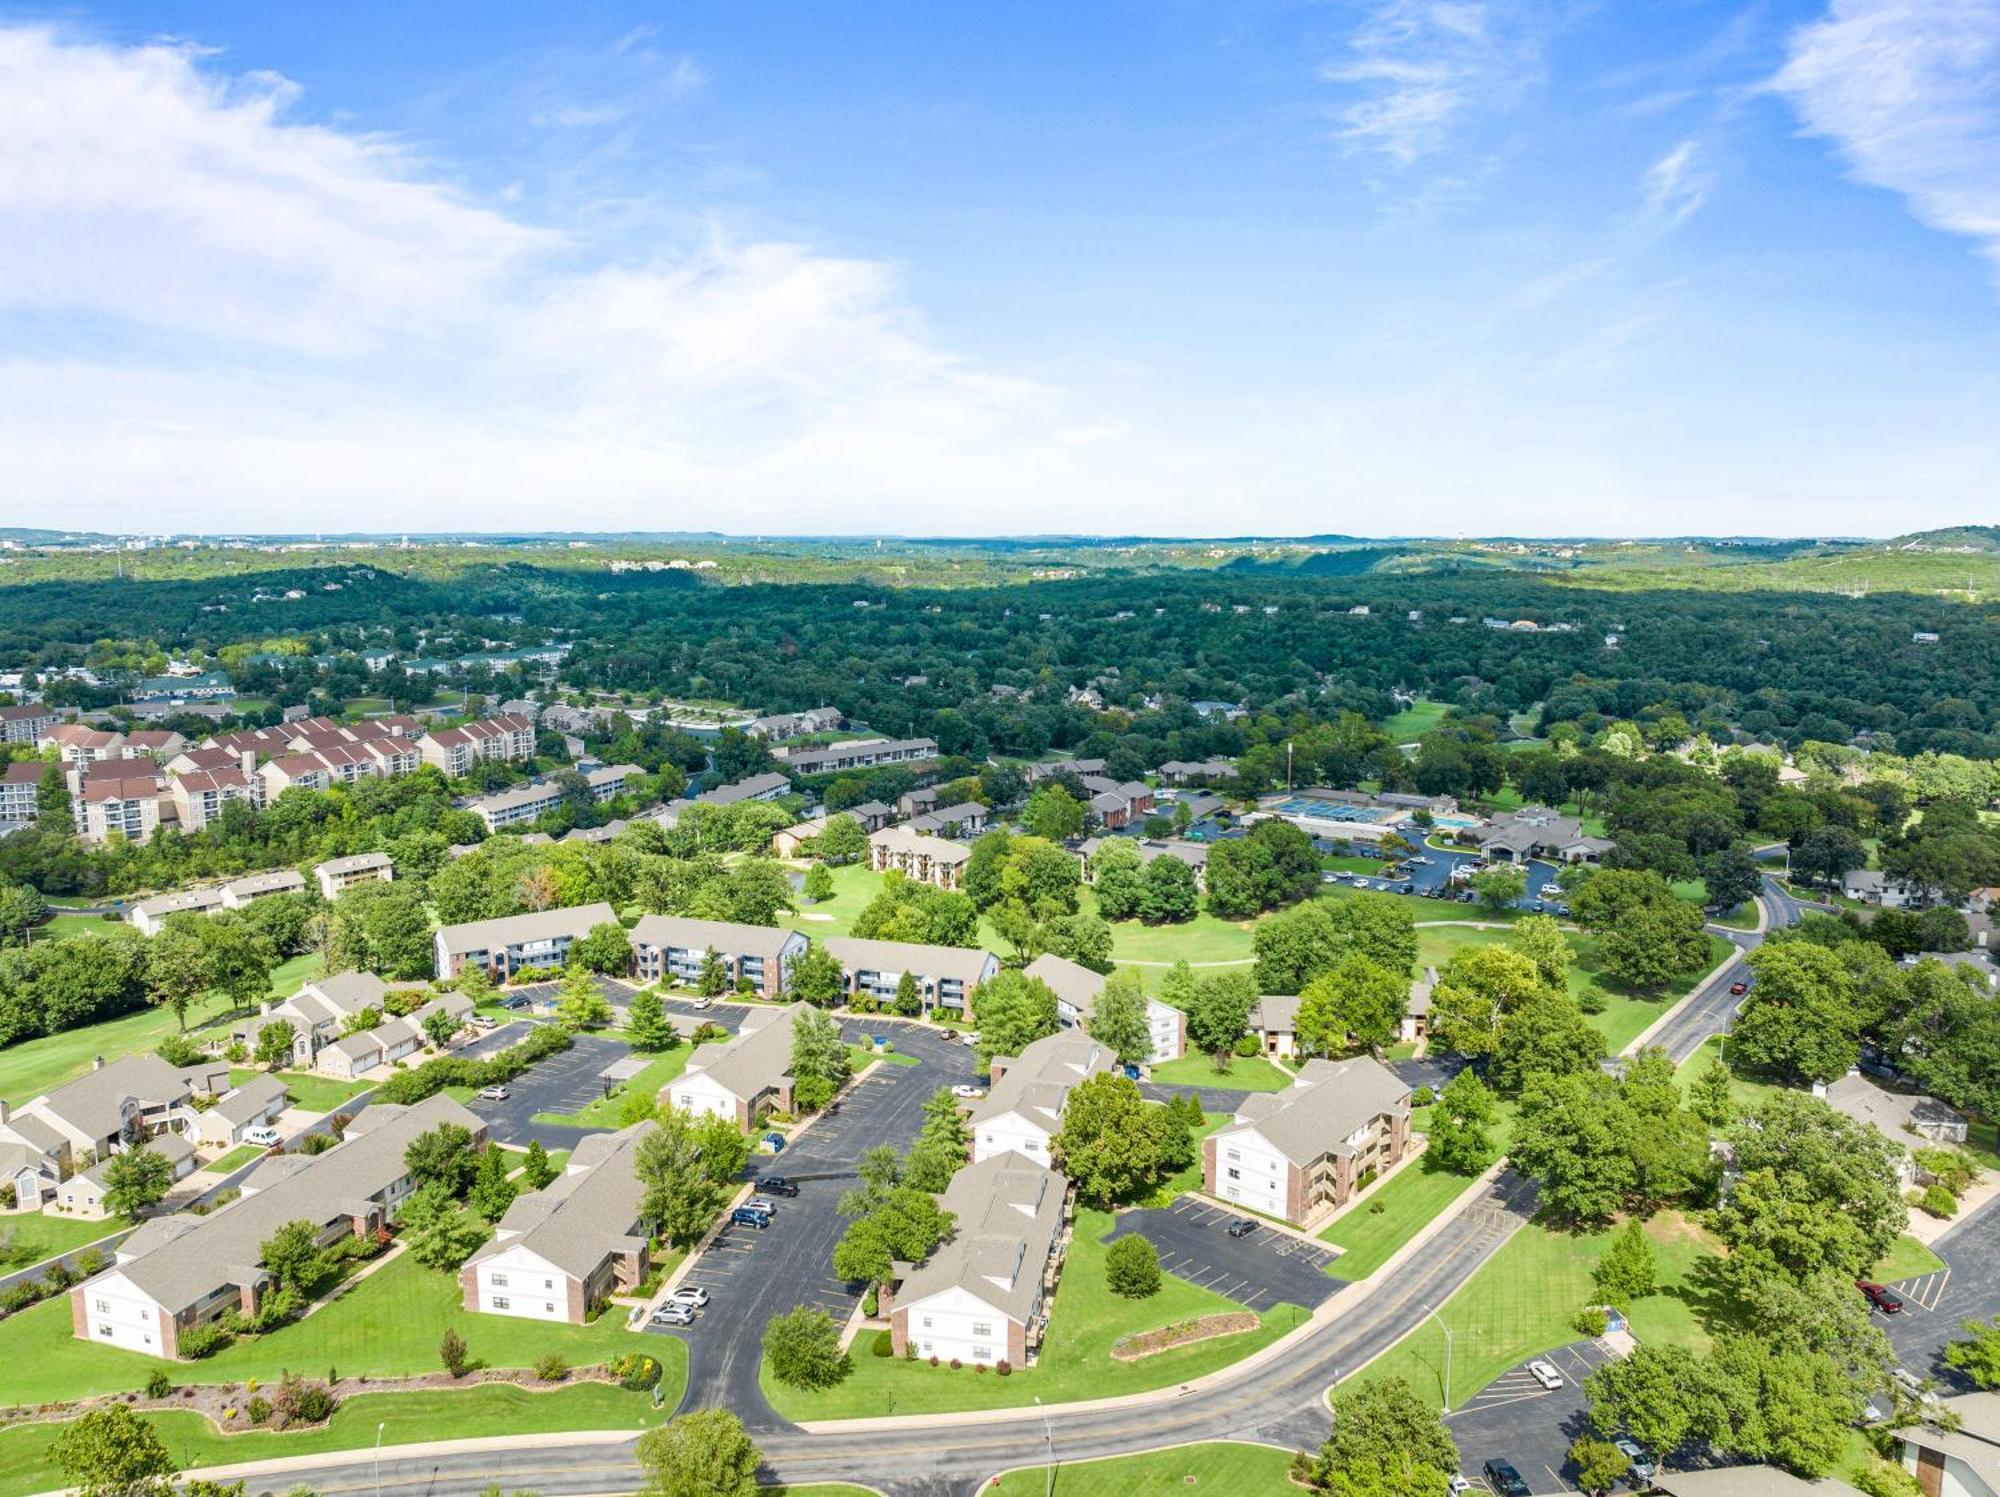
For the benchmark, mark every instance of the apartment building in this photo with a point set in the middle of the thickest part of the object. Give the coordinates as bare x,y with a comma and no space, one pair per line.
317,1012
252,887
796,724
859,753
1118,803
525,803
561,1249
1022,1111
28,723
742,1076
149,916
1076,988
78,744
157,744
20,790
72,1127
337,875
936,861
1194,854
1197,771
128,805
200,795
672,948
966,819
517,943
456,750
1955,1450
947,977
303,771
983,1296
178,1272
1302,1152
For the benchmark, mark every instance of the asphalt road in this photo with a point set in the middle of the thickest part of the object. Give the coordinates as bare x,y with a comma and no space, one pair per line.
561,1083
1712,1007
1265,1268
1517,1420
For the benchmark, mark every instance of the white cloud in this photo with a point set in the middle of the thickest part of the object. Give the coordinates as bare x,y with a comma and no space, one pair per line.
1673,190
1909,90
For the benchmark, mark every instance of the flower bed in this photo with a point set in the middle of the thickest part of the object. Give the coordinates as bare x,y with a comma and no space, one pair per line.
1183,1333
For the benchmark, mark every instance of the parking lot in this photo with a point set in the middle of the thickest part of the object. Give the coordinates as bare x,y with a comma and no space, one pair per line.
1265,1268
561,1083
1935,1305
1515,1419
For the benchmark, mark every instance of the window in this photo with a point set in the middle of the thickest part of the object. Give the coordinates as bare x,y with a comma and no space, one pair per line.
499,1281
501,1302
982,1353
984,1331
1236,1174
104,1307
1235,1153
104,1331
551,1309
927,1322
548,1283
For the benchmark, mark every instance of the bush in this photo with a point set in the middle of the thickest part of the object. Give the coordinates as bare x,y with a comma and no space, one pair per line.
92,1261
956,1364
884,1344
259,1409
934,1360
1939,1202
1003,1367
1950,1168
1132,1267
1423,1096
871,1303
201,1341
1248,1047
635,1371
1591,1320
297,1401
551,1367
452,1352
159,1385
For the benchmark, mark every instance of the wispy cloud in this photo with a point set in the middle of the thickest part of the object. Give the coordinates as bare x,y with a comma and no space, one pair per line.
1909,90
1672,191
1418,68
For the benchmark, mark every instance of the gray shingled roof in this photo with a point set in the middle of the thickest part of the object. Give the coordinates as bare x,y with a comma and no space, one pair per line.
584,1215
509,930
1071,982
250,1099
1330,1101
759,1057
725,937
1008,1212
1038,1081
92,1104
960,963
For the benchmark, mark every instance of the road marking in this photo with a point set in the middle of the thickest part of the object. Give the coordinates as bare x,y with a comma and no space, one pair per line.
1927,1290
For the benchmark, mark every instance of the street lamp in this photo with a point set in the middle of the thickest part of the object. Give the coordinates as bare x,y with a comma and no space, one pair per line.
1447,1357
1048,1435
378,1457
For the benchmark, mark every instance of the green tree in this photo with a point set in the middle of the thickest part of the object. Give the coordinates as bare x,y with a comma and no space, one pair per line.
1541,940
841,840
454,1235
1115,875
1545,1035
537,1171
802,1348
1118,1018
1053,814
295,1258
1499,889
817,978
1112,1141
647,1027
21,910
1132,1267
603,948
1978,1356
1800,1017
239,959
1168,894
1459,1142
1627,1271
444,1156
492,1192
1569,1139
909,1001
941,1143
439,1027
1709,1096
684,1164
712,978
1356,1001
453,1354
1732,876
579,1003
1599,1464
904,1225
274,1043
702,1454
819,883
1654,944
1475,992
1386,1442
177,967
112,1452
1013,1011
1661,1395
819,1057
1219,1011
136,1180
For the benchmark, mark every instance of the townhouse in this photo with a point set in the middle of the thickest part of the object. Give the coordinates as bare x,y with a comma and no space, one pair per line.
921,859
1910,1120
178,1272
1196,771
394,1039
966,819
289,771
1302,1152
872,815
793,840
78,744
1274,1019
947,977
1118,804
337,875
759,957
983,1296
257,1103
1955,1450
201,795
858,753
1051,767
20,790
248,890
102,1112
1076,988
1022,1112
83,1194
157,744
562,1249
318,1013
196,760
149,916
456,750
744,1075
796,724
28,723
1746,1481
516,943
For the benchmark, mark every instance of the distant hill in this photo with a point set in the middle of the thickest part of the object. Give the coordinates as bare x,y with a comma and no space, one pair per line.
1954,538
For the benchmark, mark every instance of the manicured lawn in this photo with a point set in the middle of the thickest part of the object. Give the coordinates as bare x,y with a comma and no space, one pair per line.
1075,1361
35,1235
313,1093
409,1418
1745,1091
1348,863
860,1055
61,927
385,1325
1521,1302
1206,940
236,1158
1254,1074
1368,1238
35,1066
853,886
603,1113
558,1159
1907,1258
1213,1467
1415,720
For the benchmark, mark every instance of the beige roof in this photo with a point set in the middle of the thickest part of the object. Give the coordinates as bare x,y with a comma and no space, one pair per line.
908,840
1330,1101
1900,1115
510,930
252,1099
93,1103
1037,1082
756,1060
1747,1481
279,881
182,900
960,963
586,1214
1071,982
353,863
724,937
1008,1211
1276,1013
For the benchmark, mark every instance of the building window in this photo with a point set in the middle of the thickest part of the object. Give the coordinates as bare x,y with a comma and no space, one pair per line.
1236,1174
104,1307
927,1322
982,1330
548,1283
982,1353
499,1281
551,1309
501,1302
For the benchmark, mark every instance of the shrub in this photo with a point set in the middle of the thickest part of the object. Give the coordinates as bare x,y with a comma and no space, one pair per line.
635,1371
159,1385
1423,1096
92,1261
1003,1367
1249,1047
259,1409
297,1401
934,1360
1591,1320
884,1344
551,1367
203,1341
871,1303
1939,1201
452,1352
1132,1268
980,1368
956,1364
1951,1168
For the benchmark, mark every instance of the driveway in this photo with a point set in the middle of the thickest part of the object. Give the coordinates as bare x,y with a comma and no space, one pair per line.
1515,1419
1266,1268
562,1083
1935,1305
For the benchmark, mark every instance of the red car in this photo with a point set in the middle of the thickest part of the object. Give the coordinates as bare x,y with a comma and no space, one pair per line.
1738,989
1881,1296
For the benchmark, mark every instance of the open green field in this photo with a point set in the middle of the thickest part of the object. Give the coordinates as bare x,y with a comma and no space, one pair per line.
1075,1362
387,1324
1368,1238
1522,1299
32,1236
603,1113
469,1413
62,927
1252,1074
312,1092
1251,1470
34,1066
1415,720
236,1158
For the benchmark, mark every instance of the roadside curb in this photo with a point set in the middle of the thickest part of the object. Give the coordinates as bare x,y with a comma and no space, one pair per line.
1700,990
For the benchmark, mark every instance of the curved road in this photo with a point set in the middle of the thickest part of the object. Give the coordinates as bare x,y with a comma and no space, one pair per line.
1277,1398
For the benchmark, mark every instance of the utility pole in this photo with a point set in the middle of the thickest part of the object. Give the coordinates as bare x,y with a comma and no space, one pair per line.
1447,1357
1288,766
378,1457
1048,1435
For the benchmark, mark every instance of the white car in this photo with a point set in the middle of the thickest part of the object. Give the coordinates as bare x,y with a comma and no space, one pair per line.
263,1136
704,1002
1545,1373
971,1093
692,1295
969,1038
494,1094
483,1021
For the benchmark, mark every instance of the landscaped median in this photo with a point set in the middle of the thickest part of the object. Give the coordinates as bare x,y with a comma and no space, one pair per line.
1214,1466
1076,1361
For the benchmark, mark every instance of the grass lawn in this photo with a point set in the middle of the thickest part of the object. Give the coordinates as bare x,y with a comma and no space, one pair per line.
61,927
313,1093
385,1325
1075,1360
236,1158
1349,863
1521,1302
1212,1467
603,1113
854,884
35,1235
859,1056
1255,1074
1907,1258
1746,1092
1415,720
410,1418
1368,1238
558,1160
1206,940
35,1066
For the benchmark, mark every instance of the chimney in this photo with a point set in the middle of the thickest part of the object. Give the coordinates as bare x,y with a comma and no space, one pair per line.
6,1112
1819,1090
97,1062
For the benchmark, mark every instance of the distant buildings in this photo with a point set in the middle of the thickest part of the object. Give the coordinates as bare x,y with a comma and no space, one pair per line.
1076,989
925,860
456,750
672,948
337,875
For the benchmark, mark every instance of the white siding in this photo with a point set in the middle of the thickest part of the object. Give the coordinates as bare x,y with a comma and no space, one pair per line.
520,1284
957,1323
1164,1021
701,1094
121,1315
1259,1171
1010,1131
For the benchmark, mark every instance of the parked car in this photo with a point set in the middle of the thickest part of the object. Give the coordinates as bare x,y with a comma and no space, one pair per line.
969,1092
483,1021
1643,1470
689,1294
1738,989
672,1314
704,1001
947,1034
494,1094
749,1216
969,1038
1504,1479
263,1136
1911,1384
1458,1483
1242,1227
1881,1296
515,1001
764,1204
1545,1373
777,1185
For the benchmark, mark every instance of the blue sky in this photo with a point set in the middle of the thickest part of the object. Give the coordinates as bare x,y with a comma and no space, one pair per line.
1383,267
